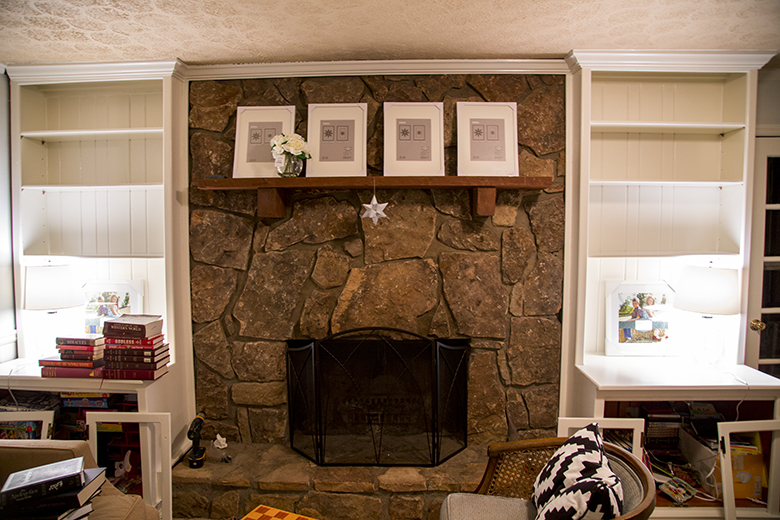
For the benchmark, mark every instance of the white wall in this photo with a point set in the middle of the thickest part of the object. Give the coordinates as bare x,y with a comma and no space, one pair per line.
768,107
7,318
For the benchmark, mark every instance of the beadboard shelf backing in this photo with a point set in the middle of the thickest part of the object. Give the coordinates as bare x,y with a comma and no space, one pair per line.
271,193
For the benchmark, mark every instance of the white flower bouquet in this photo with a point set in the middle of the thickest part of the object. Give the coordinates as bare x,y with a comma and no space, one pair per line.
289,151
292,144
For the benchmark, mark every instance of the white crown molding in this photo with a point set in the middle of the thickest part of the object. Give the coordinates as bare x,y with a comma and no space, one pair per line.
95,71
671,60
371,67
767,130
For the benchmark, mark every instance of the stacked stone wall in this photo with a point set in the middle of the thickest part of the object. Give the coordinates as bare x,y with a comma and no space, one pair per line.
429,267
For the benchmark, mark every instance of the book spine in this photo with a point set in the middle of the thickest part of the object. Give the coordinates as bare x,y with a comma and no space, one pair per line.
85,402
72,372
40,489
70,363
132,341
129,365
137,348
136,359
81,357
117,373
73,349
79,342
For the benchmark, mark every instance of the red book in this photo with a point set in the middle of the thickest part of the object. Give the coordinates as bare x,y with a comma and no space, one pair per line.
118,373
87,356
133,365
57,362
79,348
137,348
155,340
137,356
94,373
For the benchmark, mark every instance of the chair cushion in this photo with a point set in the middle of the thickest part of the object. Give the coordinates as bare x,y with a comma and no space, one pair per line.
469,506
577,482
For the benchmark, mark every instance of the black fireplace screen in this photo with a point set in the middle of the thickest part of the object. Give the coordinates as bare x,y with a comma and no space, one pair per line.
377,396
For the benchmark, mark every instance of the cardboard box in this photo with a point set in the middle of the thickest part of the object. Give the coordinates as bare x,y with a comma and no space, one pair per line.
747,465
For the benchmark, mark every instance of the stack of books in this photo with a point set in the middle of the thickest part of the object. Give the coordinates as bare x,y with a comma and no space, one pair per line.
80,356
135,347
58,491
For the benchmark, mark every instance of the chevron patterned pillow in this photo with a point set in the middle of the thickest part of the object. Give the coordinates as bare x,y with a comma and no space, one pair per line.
577,482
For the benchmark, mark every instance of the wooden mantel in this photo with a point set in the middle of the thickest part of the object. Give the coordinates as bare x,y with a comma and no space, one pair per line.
271,199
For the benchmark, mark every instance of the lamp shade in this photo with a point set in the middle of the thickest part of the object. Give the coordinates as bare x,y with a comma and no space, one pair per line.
708,290
52,287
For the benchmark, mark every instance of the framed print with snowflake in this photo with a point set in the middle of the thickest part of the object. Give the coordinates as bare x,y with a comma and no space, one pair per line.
414,139
337,140
487,139
255,128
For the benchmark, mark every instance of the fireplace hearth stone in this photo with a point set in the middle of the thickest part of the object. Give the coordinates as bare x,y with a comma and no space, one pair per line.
377,396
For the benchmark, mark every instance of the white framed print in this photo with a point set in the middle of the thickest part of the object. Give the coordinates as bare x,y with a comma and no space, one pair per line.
487,139
255,128
337,140
640,319
107,299
414,139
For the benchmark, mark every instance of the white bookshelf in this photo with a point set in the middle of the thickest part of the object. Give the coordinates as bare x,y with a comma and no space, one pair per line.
663,179
99,166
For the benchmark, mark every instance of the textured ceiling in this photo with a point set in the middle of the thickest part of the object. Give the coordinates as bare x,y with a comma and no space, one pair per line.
258,31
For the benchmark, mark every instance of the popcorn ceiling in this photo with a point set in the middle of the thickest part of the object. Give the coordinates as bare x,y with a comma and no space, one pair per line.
251,31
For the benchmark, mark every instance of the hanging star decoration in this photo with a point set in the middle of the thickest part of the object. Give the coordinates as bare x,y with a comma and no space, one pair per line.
375,210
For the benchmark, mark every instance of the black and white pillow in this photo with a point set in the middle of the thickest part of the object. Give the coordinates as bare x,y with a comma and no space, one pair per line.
577,482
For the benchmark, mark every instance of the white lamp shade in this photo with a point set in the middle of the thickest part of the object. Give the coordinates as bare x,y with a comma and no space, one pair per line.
708,290
52,287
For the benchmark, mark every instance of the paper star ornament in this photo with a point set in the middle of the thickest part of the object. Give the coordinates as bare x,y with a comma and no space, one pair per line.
375,210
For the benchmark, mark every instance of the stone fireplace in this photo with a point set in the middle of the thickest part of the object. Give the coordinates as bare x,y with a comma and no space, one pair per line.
429,267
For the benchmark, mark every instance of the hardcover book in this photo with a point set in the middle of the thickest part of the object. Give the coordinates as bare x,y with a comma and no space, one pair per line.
40,481
58,362
133,326
72,372
134,365
129,342
138,355
82,357
80,349
56,503
146,375
86,340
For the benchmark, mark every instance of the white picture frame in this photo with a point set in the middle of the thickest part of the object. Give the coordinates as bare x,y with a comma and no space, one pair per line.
156,453
255,127
414,139
487,139
100,305
337,140
45,417
648,333
725,429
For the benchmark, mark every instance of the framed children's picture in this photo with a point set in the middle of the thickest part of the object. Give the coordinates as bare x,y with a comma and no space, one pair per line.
337,140
414,139
111,299
487,139
255,128
639,319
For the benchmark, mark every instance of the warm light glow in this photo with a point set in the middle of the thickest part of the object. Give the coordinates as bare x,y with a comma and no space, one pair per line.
708,290
52,287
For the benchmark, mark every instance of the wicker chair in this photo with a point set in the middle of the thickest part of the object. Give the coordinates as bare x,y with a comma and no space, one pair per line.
507,485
